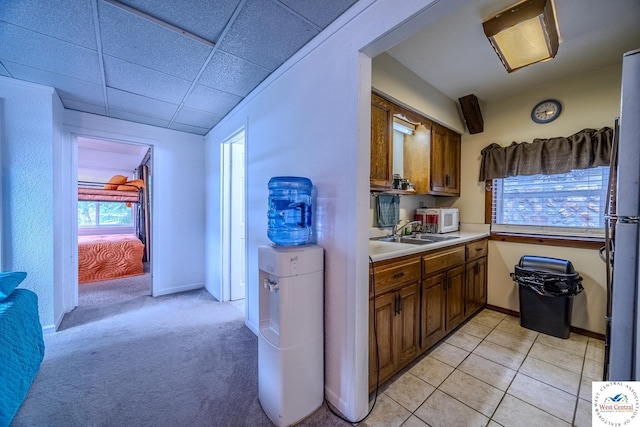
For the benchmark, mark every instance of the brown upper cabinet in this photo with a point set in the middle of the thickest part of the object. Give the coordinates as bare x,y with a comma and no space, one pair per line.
445,161
428,156
381,135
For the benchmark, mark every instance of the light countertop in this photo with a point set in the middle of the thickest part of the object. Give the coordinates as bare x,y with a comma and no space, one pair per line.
379,251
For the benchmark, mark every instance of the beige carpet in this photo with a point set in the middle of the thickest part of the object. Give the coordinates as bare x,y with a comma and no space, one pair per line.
114,291
177,360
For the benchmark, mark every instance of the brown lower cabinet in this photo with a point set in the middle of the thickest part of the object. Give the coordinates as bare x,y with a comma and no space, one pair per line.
418,300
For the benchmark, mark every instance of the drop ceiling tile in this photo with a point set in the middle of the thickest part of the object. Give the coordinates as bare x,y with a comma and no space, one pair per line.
71,104
320,13
46,53
211,100
68,20
144,81
67,87
266,34
138,118
193,117
189,129
4,71
232,74
140,41
136,104
204,18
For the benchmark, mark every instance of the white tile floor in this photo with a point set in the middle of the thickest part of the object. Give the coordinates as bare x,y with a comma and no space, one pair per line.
492,372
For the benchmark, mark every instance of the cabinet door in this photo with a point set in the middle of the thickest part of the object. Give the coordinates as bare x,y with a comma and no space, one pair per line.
476,288
455,297
452,162
481,282
433,308
438,152
385,312
445,161
408,323
381,142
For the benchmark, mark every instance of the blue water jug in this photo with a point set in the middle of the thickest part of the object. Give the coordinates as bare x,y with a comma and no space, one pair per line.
289,210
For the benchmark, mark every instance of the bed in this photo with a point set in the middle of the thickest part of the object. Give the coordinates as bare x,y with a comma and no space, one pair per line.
109,257
118,189
21,350
103,195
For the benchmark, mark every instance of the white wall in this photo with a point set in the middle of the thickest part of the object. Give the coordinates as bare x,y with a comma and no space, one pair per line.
28,185
311,118
38,191
393,79
589,100
63,250
177,196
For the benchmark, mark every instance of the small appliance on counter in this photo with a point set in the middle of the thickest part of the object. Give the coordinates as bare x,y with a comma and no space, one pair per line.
438,220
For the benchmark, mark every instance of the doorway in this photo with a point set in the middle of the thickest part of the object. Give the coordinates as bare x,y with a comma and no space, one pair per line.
234,208
113,221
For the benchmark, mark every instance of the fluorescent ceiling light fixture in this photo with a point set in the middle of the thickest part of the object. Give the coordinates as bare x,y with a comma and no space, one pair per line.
523,34
403,126
160,22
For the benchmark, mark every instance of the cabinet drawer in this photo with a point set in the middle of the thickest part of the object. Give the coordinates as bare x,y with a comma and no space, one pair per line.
389,276
443,260
476,249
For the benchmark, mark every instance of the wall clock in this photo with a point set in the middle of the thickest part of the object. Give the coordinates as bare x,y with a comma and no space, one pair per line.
546,111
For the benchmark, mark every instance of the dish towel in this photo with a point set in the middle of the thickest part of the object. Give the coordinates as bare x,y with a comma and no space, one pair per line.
388,210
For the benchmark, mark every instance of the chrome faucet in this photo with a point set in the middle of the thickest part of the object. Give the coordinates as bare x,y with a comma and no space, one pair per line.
399,229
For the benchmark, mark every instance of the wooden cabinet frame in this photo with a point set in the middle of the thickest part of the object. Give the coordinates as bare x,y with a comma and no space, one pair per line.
417,300
431,155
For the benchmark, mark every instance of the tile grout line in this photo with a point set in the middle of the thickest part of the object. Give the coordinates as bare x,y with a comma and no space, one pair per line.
512,379
505,392
517,372
584,361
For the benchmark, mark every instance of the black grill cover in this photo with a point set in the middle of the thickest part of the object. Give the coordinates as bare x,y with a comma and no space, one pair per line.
548,276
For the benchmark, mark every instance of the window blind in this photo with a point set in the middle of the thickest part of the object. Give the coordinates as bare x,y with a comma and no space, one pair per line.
568,204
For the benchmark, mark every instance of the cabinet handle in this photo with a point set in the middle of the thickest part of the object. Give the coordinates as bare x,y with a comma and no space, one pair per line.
446,179
398,275
396,301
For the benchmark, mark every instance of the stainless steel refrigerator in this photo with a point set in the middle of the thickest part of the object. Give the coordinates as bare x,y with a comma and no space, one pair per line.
622,346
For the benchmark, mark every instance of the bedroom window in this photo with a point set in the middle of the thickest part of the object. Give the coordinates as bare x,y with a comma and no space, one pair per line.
105,218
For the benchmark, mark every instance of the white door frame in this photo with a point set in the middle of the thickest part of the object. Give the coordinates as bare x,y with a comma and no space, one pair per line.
233,272
70,287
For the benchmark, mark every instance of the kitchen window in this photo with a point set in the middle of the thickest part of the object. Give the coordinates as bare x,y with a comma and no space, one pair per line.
567,204
549,191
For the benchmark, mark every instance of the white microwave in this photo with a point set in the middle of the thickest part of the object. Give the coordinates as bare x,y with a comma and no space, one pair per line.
439,220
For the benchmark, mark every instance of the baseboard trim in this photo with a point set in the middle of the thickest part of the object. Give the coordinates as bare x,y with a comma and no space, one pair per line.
586,333
49,330
176,289
574,329
252,327
503,310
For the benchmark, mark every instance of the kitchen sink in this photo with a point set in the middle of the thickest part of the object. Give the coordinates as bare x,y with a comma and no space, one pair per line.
433,237
416,239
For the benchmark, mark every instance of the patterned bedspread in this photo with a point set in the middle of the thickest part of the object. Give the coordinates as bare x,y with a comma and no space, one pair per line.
21,350
109,257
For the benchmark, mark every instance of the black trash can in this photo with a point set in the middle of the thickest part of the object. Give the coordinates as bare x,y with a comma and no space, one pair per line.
547,287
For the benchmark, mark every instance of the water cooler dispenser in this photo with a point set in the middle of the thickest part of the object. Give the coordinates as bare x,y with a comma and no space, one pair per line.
290,343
